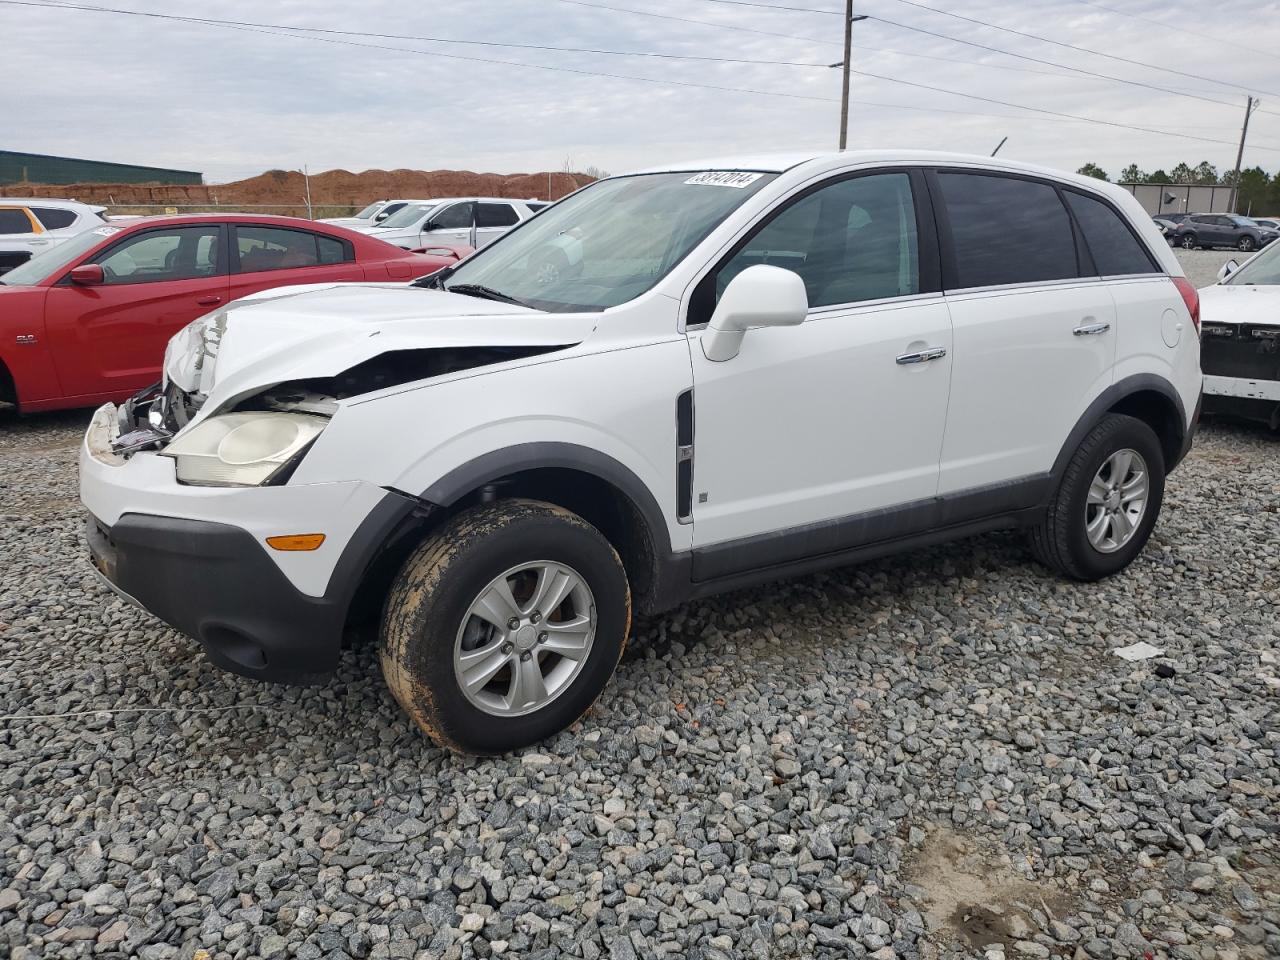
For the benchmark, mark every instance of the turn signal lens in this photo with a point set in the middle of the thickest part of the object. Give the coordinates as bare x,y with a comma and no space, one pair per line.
296,541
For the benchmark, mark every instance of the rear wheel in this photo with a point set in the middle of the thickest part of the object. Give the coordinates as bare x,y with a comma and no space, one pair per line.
1106,505
504,626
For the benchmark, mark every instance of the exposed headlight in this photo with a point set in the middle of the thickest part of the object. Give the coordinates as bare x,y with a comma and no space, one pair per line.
242,449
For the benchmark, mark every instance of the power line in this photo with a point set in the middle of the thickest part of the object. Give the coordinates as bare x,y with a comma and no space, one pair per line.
422,39
1078,49
1198,34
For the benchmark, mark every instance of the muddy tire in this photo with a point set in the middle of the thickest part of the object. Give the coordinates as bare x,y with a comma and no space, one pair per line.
1107,503
504,626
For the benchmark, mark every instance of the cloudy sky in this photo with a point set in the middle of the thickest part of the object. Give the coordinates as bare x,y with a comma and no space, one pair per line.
234,101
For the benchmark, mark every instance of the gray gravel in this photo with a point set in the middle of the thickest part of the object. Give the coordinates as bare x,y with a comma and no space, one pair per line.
932,756
1202,266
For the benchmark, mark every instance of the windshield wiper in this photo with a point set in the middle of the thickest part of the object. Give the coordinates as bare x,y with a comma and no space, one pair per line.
479,290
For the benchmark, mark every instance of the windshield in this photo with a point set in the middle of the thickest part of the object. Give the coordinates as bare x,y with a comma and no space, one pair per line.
609,242
44,265
1262,268
368,212
408,216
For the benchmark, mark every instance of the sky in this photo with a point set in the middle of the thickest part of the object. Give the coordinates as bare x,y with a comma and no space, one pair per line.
235,101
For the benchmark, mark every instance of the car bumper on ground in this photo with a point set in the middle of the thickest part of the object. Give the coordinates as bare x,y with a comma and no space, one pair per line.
197,558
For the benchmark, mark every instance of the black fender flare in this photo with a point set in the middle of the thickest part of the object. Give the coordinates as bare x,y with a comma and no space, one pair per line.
1118,391
488,467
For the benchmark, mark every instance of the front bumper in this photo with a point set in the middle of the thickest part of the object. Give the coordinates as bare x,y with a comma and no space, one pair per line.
196,557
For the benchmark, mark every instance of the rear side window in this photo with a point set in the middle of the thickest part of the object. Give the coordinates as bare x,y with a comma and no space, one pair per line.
275,248
495,215
13,220
54,219
1007,231
1115,250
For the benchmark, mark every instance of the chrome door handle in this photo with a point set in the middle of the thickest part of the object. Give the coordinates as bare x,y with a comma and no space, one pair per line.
1089,329
923,356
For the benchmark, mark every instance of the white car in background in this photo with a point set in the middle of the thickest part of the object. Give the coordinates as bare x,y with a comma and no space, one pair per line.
473,221
1240,354
370,216
29,226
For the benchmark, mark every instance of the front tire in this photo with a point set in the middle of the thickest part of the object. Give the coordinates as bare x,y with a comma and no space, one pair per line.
1188,241
1106,505
504,626
1246,244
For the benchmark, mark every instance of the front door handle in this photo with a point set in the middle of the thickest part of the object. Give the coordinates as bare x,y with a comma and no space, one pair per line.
208,301
1091,329
922,356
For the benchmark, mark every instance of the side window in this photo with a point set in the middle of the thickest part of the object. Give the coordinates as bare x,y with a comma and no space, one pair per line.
1115,249
277,248
456,217
496,215
14,220
54,219
182,253
1007,231
849,241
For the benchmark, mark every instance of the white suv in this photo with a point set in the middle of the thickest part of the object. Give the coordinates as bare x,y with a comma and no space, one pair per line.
31,226
748,369
473,221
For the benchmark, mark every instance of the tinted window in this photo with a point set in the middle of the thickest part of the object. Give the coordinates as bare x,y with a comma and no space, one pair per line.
849,241
1007,231
276,248
495,215
183,253
14,221
456,217
1114,248
54,219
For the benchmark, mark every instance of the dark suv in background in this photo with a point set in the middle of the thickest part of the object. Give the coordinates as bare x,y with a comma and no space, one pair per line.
1223,230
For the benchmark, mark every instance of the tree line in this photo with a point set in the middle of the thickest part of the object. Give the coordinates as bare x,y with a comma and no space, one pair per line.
1259,192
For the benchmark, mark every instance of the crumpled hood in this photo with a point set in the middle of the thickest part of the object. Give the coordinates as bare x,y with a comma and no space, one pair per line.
1240,303
320,330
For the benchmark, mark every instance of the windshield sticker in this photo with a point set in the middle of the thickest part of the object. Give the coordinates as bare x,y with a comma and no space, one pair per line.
106,231
725,178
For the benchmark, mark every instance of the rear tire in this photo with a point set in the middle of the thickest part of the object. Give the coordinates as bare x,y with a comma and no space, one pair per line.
499,559
1093,527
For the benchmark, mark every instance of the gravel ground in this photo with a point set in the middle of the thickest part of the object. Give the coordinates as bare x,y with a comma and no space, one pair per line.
934,756
1202,266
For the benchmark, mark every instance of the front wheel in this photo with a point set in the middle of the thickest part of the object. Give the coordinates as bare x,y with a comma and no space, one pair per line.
1245,244
1106,505
504,626
1189,241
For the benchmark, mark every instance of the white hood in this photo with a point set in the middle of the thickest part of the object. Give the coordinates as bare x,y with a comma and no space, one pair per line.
1240,303
294,333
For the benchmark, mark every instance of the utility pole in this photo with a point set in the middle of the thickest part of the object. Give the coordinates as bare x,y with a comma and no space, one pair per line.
306,178
1250,105
849,20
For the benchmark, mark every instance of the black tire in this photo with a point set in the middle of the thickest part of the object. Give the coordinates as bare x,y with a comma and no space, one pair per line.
1245,244
1188,241
434,591
1059,541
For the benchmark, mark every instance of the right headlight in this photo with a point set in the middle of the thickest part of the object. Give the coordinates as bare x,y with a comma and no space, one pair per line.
242,449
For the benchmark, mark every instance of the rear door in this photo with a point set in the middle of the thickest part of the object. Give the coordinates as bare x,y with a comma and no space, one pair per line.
493,220
109,339
1035,337
265,256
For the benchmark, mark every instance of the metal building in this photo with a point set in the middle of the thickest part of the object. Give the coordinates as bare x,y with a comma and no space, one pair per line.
39,168
1158,198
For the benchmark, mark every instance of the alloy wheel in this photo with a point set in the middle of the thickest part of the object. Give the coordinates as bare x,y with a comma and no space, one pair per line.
1117,501
525,638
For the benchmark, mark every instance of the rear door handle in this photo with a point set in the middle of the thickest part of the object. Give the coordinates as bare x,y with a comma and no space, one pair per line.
1090,329
208,301
922,356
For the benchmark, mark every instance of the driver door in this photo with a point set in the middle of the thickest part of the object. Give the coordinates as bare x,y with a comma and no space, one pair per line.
109,339
827,435
453,224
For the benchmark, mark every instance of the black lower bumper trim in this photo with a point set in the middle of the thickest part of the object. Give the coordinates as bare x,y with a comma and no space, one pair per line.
216,583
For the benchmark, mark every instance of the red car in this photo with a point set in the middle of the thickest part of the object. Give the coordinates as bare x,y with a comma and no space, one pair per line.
87,321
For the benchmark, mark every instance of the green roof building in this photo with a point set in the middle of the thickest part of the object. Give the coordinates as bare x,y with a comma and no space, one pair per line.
40,168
